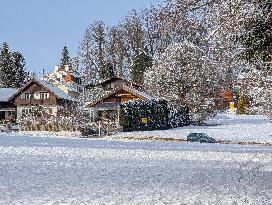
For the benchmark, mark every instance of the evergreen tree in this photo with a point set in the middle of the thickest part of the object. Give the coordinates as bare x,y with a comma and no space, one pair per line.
65,60
255,34
111,70
140,63
20,74
12,68
6,67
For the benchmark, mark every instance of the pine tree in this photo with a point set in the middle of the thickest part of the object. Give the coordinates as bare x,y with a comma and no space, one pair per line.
12,68
111,70
140,63
20,74
6,67
65,60
255,34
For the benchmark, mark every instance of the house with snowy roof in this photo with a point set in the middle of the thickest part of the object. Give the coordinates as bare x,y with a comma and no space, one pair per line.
116,90
115,81
66,79
40,94
7,109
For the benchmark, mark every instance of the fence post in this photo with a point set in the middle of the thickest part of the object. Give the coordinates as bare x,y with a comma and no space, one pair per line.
99,128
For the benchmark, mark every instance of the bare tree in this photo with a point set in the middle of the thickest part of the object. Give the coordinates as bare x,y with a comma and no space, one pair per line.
92,53
116,49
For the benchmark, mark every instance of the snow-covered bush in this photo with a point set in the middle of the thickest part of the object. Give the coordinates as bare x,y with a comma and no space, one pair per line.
144,115
256,85
40,120
152,115
178,116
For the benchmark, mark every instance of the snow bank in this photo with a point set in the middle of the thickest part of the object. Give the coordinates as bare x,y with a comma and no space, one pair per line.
240,128
60,134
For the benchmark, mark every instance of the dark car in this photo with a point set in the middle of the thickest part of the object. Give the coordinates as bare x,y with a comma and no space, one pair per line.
88,131
9,127
200,137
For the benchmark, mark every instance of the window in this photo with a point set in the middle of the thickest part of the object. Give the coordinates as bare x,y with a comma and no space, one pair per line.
26,110
46,109
44,95
111,85
28,96
11,113
36,95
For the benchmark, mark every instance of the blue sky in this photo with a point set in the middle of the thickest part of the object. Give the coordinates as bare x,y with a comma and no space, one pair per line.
39,29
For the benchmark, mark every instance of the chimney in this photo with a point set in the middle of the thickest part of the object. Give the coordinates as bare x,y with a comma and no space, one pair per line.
56,68
66,67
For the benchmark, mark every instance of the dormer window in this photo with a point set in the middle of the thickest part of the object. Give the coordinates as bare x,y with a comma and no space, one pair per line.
27,96
44,95
111,85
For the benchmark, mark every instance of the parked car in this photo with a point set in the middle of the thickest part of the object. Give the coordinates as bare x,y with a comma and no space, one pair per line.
88,131
14,127
9,127
3,128
200,137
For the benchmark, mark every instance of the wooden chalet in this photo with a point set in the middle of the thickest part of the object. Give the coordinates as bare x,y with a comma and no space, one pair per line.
116,91
113,98
39,94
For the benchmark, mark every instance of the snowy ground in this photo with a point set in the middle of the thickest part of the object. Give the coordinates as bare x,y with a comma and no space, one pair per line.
41,169
243,128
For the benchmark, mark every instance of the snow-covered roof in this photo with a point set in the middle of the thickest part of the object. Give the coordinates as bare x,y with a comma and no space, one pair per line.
137,92
123,87
69,86
120,78
6,93
58,92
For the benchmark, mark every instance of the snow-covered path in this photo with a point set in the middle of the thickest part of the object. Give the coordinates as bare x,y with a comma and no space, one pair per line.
46,170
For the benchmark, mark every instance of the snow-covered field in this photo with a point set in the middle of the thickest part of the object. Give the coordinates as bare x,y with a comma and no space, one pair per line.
242,128
42,169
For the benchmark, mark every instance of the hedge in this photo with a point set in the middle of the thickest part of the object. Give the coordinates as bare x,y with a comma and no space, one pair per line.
141,115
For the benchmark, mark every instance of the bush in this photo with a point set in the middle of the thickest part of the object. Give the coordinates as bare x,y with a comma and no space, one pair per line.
140,115
178,116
